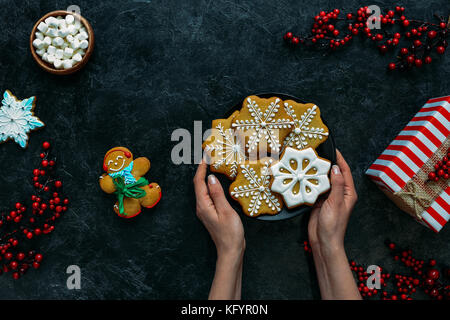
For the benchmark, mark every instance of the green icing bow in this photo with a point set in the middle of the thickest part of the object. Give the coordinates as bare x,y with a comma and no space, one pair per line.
131,190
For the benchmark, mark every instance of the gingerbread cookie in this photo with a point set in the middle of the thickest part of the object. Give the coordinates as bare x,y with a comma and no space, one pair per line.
263,123
252,189
308,129
300,177
224,147
124,177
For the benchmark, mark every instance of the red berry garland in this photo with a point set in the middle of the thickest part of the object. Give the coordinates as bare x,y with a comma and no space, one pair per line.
424,36
22,224
424,276
442,169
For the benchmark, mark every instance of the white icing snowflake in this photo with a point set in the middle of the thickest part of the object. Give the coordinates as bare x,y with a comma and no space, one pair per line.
302,131
17,119
263,124
300,176
228,150
257,189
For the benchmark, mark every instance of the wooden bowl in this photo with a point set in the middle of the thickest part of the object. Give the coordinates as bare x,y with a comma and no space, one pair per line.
49,67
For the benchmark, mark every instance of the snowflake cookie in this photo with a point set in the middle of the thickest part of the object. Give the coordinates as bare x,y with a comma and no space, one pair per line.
17,119
252,189
300,177
224,148
308,129
263,123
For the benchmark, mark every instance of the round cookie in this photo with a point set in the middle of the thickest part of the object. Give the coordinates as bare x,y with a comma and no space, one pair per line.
262,123
124,177
224,147
252,189
300,177
308,129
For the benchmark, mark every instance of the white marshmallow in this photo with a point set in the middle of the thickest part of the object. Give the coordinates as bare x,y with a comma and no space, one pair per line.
47,41
52,32
58,63
82,36
40,52
67,64
59,54
59,17
44,57
84,44
68,52
50,58
58,41
62,24
51,50
75,44
52,22
65,45
70,19
70,38
72,29
38,44
42,27
77,57
63,32
40,36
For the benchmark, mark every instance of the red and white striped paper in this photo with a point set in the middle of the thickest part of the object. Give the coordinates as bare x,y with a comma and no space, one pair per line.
410,150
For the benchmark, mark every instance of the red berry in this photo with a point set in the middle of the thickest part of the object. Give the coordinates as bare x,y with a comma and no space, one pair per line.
397,35
38,257
404,51
295,41
432,34
442,25
44,163
58,184
440,172
20,256
16,275
379,37
36,265
432,263
29,235
405,23
418,63
440,49
417,43
428,59
383,49
391,66
433,274
46,145
8,256
431,175
14,265
42,155
36,172
336,33
288,35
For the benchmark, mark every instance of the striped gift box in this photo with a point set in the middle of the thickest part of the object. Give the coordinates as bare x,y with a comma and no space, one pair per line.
424,139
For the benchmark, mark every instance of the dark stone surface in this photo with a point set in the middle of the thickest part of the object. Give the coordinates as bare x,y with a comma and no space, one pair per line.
160,65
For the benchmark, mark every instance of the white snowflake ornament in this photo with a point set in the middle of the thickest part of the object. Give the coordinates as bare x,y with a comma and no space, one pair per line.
300,176
303,134
17,119
252,189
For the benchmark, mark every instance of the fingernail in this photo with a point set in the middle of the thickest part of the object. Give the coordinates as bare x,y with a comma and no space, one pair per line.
212,179
336,169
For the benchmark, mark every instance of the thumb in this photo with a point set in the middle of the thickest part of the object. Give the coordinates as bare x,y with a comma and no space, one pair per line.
217,195
337,185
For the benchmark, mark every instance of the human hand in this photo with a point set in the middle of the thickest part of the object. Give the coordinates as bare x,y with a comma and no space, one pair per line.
220,219
329,217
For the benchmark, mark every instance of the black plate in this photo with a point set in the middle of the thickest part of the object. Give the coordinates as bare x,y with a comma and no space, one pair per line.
326,150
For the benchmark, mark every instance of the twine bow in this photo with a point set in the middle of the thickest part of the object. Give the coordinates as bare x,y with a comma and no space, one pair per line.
413,194
132,190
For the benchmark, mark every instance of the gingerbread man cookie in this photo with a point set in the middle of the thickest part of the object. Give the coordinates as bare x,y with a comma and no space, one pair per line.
124,177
